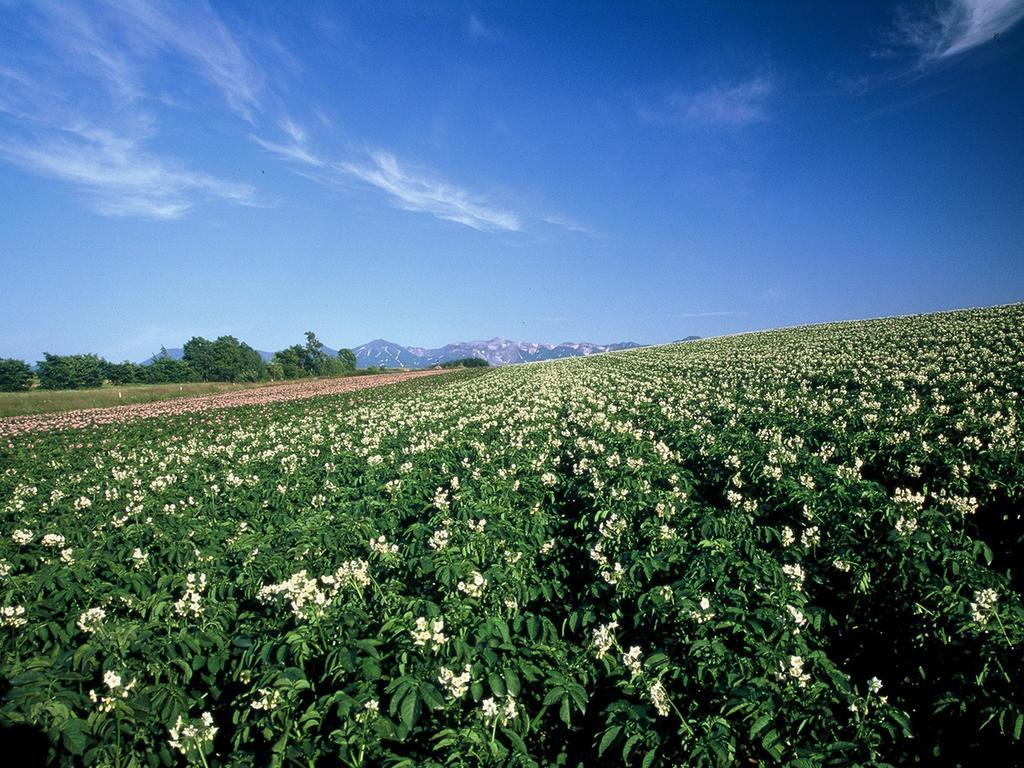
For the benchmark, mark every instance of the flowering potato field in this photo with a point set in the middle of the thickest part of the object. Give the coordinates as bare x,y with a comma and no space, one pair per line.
800,547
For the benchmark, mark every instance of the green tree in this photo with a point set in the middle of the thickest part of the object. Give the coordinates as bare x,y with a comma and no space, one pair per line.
224,359
120,373
15,375
290,361
347,358
166,370
298,361
70,371
467,362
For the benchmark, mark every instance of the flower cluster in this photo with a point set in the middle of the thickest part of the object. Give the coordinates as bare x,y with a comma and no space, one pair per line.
984,605
429,634
116,689
659,698
796,575
604,638
13,616
439,539
455,683
703,612
794,670
91,620
22,536
191,603
381,547
474,586
631,661
500,715
192,738
267,699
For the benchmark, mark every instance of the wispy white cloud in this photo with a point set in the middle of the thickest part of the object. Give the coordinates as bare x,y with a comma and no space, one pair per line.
120,177
416,192
115,45
294,147
726,103
75,108
477,29
407,189
952,27
569,224
86,40
200,36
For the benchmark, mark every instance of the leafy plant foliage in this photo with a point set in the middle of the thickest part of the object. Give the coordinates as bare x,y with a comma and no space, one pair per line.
796,548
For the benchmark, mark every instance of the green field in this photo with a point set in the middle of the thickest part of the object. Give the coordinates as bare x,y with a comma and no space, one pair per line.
798,547
53,401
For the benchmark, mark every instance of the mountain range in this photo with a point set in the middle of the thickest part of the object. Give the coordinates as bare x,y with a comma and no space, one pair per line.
495,351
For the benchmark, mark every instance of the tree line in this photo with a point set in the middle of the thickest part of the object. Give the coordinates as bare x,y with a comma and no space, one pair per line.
222,359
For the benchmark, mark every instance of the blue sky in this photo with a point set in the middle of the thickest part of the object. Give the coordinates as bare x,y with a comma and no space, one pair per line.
432,172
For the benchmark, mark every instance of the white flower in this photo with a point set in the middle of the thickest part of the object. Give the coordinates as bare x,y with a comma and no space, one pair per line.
984,605
455,684
91,620
268,699
191,603
795,671
429,633
381,547
192,737
631,661
490,708
501,715
659,698
906,526
874,685
810,536
475,586
604,638
704,613
116,688
12,616
22,536
795,572
439,539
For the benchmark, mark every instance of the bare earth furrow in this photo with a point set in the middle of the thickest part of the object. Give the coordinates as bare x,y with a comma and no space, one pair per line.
298,390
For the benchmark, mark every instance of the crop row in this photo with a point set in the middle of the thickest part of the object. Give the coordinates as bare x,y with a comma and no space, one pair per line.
797,547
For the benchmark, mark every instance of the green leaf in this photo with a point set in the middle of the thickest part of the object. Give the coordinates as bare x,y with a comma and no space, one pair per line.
512,682
496,683
609,737
72,735
409,710
628,746
517,740
759,724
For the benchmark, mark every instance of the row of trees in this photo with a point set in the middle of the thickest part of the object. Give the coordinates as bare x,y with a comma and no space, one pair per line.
223,359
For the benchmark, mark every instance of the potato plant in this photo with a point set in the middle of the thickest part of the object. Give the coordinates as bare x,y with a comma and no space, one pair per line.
799,547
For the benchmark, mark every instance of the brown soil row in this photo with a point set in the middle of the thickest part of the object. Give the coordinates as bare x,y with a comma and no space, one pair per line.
297,390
